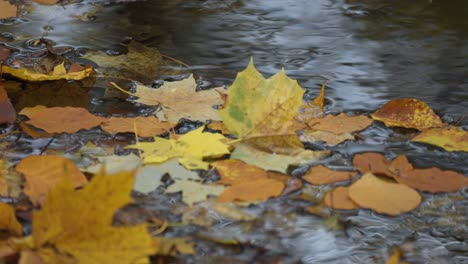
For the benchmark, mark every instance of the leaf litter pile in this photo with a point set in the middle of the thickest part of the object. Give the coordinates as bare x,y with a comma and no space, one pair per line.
251,173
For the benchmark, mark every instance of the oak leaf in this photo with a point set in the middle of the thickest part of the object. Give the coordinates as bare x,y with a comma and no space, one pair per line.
58,72
61,119
8,220
407,112
323,175
190,149
450,139
44,172
383,196
77,225
144,126
181,100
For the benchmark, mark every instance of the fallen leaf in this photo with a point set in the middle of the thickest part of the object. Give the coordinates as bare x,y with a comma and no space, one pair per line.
252,191
330,138
341,123
433,180
172,246
59,72
7,10
323,175
181,100
320,99
30,257
7,111
34,132
4,188
407,112
395,257
339,199
61,119
44,172
8,220
275,157
232,212
78,224
219,126
46,2
190,149
113,164
235,171
194,192
145,126
148,177
383,196
450,138
372,162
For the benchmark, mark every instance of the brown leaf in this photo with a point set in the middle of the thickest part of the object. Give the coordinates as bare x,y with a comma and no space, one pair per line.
383,195
323,175
372,162
330,138
320,99
7,10
4,53
339,199
252,191
61,119
450,138
340,124
433,180
7,112
145,126
407,112
44,172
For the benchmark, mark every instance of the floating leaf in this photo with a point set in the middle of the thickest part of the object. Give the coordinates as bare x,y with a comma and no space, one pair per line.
181,100
194,192
113,164
383,196
252,191
341,123
218,125
59,72
330,138
433,180
320,99
44,172
235,171
7,10
372,162
61,119
148,126
450,139
190,149
339,199
78,224
407,112
8,220
323,175
7,112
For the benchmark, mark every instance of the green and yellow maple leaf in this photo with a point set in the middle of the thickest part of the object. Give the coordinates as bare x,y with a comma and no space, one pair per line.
190,149
76,226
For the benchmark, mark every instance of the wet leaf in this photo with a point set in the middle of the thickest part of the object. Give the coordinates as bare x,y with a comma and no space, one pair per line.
113,164
218,125
372,162
383,196
59,72
44,172
8,220
232,212
395,257
407,112
7,112
174,245
194,192
323,175
252,191
46,2
235,171
4,188
433,180
450,138
190,149
320,99
341,123
330,138
148,177
78,224
7,10
339,199
10,181
181,100
145,126
61,119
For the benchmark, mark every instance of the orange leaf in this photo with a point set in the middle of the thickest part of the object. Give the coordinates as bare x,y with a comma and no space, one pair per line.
251,191
341,123
235,171
61,119
145,126
407,112
8,220
383,196
7,112
339,199
433,180
320,99
44,172
323,175
7,10
372,162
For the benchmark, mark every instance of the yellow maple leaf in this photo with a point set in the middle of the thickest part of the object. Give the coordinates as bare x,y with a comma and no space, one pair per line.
190,148
76,226
448,138
59,72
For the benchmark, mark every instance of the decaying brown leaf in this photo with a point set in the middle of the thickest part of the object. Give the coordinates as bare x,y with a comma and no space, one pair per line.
61,119
383,195
409,113
323,175
44,172
7,111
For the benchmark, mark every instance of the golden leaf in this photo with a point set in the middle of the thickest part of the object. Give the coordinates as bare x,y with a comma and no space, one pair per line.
8,220
58,73
450,139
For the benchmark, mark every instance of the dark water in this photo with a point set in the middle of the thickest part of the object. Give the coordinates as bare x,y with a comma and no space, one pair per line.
369,51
